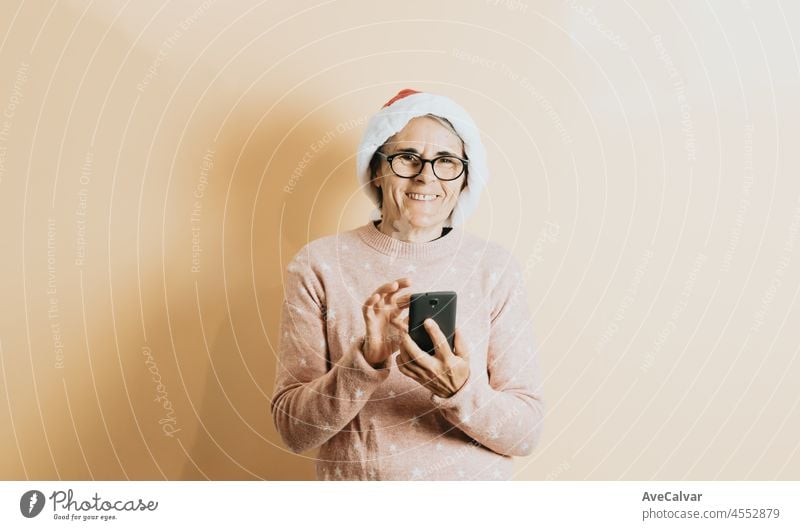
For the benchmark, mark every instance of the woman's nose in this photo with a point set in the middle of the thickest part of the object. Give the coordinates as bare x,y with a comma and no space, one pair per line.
426,175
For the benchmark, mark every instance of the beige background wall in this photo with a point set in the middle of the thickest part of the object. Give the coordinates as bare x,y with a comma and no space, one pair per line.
645,171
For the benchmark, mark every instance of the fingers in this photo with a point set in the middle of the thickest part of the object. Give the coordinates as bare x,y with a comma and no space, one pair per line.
408,372
391,297
387,292
408,368
369,304
393,286
403,360
440,344
398,317
399,321
419,357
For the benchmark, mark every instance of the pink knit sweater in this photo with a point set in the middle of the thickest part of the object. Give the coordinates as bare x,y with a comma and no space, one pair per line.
378,424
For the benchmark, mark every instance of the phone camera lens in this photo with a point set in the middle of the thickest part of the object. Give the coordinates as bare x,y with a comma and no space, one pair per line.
434,301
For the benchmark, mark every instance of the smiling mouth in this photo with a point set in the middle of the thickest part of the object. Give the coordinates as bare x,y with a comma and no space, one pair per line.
421,196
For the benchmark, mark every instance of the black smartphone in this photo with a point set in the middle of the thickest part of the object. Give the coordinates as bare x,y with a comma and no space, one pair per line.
441,307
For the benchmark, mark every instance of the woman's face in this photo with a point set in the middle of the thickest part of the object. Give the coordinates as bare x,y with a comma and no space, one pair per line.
423,201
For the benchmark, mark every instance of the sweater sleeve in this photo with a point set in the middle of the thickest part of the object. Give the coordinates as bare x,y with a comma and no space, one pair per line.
501,406
314,399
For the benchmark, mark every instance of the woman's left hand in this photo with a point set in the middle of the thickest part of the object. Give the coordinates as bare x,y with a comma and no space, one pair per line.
443,373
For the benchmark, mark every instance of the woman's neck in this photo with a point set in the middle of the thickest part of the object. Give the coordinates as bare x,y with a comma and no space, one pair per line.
411,234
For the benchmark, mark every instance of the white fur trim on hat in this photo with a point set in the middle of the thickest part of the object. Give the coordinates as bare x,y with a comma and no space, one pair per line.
392,118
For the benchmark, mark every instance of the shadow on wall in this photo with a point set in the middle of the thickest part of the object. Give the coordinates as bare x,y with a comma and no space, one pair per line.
169,354
263,226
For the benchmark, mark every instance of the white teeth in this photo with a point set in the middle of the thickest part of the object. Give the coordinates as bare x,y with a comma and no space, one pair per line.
421,197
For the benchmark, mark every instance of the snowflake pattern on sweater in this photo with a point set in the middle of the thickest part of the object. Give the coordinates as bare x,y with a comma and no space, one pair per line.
378,424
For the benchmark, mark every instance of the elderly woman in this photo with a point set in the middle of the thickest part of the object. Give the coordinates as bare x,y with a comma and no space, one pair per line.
350,380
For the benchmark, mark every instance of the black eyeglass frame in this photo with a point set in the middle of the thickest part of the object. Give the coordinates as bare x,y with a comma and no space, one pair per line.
391,157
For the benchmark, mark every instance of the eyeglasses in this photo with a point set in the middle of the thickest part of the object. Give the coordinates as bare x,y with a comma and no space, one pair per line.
409,165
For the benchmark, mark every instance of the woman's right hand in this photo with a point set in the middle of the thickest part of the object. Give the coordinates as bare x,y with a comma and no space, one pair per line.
384,313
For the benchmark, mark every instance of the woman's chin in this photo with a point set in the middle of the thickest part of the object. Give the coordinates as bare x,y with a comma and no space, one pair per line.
422,220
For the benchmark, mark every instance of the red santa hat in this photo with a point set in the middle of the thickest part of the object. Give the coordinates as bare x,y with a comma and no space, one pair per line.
395,114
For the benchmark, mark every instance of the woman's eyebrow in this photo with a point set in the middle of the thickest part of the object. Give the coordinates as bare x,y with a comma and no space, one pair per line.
416,152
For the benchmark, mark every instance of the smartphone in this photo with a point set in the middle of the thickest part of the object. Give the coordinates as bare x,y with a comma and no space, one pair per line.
441,307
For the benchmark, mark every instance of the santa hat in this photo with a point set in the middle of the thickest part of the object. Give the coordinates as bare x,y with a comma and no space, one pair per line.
395,114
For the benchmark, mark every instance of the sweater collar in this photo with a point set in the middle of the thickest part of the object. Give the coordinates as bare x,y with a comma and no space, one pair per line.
385,244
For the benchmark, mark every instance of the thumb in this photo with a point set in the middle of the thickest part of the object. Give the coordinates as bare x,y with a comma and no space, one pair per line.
460,346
